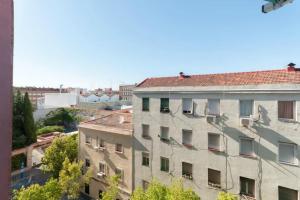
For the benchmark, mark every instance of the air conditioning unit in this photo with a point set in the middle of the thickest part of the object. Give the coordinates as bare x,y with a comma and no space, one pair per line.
100,174
246,122
211,119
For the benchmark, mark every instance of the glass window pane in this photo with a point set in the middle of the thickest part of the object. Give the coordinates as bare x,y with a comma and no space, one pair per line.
214,141
287,153
213,107
246,108
246,147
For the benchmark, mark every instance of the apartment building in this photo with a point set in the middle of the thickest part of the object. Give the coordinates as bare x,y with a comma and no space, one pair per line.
125,92
105,145
238,132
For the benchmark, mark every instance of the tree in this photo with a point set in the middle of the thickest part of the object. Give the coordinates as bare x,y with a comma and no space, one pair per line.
157,190
29,127
226,196
60,149
71,179
112,191
51,191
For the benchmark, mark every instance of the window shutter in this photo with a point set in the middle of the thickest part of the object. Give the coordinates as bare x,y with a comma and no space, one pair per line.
287,153
214,107
246,147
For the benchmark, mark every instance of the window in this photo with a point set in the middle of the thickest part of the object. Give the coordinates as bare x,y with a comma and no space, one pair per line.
287,194
214,142
247,187
87,188
287,153
246,108
286,109
187,106
164,105
100,194
101,143
164,134
214,178
102,168
145,104
145,131
145,159
119,172
187,138
213,107
87,163
246,147
145,184
119,148
187,170
88,139
164,164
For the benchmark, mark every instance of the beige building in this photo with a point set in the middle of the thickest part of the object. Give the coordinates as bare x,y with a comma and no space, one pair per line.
105,145
125,92
238,132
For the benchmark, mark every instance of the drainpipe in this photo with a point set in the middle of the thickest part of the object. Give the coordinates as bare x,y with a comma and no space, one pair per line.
6,66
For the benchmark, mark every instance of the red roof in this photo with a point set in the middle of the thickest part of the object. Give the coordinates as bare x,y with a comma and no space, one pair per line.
227,79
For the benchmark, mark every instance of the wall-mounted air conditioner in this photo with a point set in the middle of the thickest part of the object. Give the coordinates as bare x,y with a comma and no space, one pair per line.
246,122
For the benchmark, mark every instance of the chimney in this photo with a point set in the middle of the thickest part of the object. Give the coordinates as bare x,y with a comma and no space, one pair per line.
291,67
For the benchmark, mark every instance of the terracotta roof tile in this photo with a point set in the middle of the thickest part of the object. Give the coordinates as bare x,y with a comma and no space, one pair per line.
227,79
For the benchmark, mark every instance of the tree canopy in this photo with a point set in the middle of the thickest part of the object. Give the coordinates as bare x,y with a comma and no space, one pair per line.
226,196
60,149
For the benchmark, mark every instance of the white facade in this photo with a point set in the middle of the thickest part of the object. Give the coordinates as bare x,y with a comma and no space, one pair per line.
56,100
219,152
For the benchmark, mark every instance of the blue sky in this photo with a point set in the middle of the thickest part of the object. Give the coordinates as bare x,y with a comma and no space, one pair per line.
102,43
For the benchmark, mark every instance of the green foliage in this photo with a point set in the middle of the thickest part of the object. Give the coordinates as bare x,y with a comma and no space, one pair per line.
112,191
60,149
17,161
29,127
158,191
50,191
71,179
226,196
50,129
62,117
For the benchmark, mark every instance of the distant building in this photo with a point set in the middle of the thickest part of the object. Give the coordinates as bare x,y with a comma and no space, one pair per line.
57,100
35,93
105,145
125,92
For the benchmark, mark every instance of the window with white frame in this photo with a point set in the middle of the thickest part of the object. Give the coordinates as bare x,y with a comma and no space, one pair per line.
247,187
214,178
88,139
187,137
187,105
119,148
164,133
286,109
287,153
145,130
164,164
102,167
213,107
246,108
246,147
214,142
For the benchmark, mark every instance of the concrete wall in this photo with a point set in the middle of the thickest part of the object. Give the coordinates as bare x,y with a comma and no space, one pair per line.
108,156
60,100
265,169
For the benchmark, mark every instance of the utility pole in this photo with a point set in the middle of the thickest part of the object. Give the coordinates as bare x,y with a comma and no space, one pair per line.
6,67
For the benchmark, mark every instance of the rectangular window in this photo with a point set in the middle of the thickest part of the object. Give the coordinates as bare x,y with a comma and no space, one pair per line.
145,159
145,184
164,164
214,178
246,108
187,170
101,143
87,163
286,109
145,106
213,107
88,139
214,142
164,134
187,106
287,153
100,194
119,148
164,105
87,188
119,172
246,147
102,168
145,131
247,187
187,138
287,194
